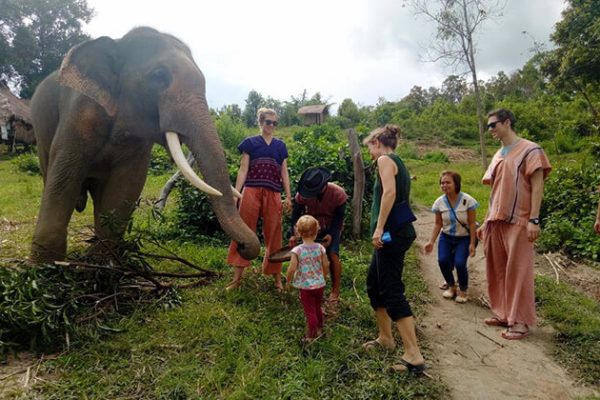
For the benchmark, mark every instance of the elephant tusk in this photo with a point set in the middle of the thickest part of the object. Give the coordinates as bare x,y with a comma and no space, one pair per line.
187,171
236,193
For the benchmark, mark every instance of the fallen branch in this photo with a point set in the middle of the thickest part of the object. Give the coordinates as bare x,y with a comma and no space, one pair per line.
354,287
166,190
553,267
178,259
13,374
489,338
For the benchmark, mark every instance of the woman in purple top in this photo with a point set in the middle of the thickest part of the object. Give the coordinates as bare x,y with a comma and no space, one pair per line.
263,173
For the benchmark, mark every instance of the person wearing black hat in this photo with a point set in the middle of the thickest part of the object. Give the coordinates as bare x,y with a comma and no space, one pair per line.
325,201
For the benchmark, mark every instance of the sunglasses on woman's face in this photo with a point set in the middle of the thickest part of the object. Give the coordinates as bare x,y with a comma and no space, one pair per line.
270,122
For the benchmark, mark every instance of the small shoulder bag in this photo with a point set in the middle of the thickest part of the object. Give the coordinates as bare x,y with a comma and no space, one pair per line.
466,226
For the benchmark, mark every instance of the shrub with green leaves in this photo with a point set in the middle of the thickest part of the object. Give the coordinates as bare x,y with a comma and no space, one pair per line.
28,163
160,161
327,146
407,151
194,214
436,157
569,209
231,132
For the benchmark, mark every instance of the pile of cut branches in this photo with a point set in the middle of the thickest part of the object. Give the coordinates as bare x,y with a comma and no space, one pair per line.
41,305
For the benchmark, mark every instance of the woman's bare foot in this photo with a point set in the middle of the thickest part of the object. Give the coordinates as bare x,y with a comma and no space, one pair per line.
233,285
379,344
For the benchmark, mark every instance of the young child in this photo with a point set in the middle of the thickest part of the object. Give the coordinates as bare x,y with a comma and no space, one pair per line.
307,271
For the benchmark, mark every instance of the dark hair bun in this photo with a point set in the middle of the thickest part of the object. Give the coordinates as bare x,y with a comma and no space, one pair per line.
392,130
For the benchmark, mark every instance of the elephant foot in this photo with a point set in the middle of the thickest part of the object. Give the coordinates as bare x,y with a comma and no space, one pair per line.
43,254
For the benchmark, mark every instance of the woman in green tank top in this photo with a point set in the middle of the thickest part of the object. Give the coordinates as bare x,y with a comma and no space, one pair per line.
384,280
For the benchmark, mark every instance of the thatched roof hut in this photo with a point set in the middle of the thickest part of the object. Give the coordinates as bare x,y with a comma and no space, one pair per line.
316,114
15,119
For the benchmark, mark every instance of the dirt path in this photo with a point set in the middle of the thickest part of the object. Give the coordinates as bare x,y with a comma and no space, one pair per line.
472,358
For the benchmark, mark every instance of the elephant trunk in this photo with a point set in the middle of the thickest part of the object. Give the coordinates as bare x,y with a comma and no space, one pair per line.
197,130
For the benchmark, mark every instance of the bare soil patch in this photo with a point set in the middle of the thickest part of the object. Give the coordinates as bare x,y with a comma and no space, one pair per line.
472,358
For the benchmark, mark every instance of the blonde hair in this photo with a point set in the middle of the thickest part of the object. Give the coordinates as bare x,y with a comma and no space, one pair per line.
307,226
262,113
387,136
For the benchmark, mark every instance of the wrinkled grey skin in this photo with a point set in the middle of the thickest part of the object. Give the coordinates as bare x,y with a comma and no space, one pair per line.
95,122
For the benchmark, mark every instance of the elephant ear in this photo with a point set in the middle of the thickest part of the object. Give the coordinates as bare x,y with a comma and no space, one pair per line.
90,68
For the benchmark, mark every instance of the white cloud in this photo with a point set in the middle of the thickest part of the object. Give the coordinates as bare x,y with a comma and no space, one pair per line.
361,49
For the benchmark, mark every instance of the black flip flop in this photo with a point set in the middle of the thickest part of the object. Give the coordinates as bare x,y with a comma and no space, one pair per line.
415,369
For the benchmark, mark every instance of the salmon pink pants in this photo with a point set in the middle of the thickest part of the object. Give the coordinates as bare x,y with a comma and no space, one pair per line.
510,275
257,203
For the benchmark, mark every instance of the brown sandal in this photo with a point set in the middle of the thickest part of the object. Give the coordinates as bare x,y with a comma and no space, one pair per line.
495,321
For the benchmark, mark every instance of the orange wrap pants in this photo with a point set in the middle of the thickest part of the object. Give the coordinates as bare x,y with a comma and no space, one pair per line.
510,275
266,204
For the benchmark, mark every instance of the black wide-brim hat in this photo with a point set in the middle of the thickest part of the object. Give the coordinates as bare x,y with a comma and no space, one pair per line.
312,182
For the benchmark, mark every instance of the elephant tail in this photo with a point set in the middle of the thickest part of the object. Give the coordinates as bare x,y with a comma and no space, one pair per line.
82,199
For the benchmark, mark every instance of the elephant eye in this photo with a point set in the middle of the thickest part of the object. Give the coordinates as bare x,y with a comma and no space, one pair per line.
160,78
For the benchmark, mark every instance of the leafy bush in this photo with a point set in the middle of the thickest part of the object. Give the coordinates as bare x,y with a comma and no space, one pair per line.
231,132
566,144
407,151
194,215
569,208
28,163
436,157
160,161
327,146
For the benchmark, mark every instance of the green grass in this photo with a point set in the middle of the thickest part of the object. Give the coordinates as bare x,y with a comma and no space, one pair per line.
242,345
217,344
247,344
576,319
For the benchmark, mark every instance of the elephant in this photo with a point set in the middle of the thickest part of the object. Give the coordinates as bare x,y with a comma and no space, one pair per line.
96,120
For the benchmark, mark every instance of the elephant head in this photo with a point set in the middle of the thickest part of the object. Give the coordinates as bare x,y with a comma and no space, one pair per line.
118,97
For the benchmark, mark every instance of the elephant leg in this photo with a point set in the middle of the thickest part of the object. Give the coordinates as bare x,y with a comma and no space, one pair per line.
114,200
64,177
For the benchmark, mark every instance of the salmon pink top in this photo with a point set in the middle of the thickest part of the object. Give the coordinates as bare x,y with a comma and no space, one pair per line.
509,175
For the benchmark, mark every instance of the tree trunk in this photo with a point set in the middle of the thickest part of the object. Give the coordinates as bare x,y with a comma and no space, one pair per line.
478,101
480,122
359,182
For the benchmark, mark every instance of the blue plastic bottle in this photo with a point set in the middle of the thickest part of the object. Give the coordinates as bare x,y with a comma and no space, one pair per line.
386,237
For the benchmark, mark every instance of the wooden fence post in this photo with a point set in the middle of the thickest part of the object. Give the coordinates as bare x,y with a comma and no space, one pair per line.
359,182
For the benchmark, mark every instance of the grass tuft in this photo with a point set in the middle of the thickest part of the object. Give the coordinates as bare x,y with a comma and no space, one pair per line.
576,319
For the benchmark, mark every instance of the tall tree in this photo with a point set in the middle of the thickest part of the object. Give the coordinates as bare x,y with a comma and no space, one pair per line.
458,22
35,35
254,101
349,110
454,88
575,63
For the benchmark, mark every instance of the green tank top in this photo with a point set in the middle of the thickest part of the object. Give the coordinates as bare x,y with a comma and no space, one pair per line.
402,194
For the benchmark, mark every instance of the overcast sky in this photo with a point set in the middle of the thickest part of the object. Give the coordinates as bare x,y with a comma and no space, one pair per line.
358,49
